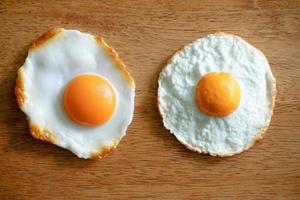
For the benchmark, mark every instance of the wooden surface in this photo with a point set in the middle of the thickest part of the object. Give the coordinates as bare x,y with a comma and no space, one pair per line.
149,163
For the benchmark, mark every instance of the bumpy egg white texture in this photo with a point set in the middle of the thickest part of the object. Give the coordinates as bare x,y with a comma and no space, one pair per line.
220,136
53,60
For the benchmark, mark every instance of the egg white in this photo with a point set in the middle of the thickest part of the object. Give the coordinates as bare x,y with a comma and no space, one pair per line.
214,135
46,72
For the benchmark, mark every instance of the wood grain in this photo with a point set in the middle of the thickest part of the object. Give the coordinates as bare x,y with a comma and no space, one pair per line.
149,163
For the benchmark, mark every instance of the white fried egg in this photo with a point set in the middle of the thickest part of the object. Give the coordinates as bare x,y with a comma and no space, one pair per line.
76,92
217,95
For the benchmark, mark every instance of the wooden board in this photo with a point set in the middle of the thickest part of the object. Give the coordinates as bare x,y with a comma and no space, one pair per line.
150,163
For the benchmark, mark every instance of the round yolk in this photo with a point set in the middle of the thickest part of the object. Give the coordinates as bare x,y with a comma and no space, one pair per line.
89,100
218,94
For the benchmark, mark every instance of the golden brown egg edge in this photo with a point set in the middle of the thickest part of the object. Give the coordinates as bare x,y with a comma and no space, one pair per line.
45,37
115,56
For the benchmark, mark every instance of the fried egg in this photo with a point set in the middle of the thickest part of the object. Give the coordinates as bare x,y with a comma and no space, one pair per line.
76,92
217,95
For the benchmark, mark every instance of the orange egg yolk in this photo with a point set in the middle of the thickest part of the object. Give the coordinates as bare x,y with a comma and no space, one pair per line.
218,94
89,100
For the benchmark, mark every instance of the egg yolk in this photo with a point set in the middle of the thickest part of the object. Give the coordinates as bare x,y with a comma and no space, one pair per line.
89,100
218,94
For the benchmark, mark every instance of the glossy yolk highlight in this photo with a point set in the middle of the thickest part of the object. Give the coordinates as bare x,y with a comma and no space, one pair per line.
218,94
89,100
